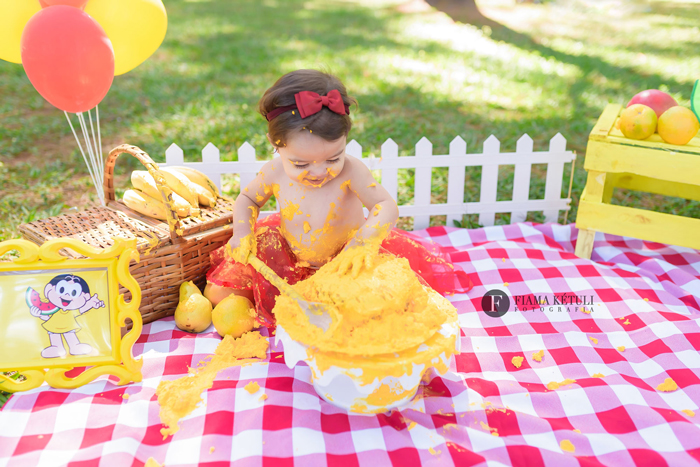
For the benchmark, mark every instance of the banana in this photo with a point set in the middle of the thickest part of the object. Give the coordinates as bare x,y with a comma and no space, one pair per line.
143,181
183,187
206,198
199,178
144,204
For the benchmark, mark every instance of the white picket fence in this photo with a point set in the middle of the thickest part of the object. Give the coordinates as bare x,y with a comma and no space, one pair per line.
424,160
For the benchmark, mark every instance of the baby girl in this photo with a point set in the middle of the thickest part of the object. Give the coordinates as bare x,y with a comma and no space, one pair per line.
321,192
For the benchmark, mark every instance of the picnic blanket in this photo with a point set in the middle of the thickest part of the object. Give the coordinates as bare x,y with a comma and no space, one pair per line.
484,411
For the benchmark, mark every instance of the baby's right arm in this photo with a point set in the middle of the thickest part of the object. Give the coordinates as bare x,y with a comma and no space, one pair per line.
247,207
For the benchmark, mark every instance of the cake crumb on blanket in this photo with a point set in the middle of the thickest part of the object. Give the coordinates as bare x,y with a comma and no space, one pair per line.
517,361
598,375
566,446
621,348
667,386
554,385
252,387
538,356
688,412
151,462
178,398
594,340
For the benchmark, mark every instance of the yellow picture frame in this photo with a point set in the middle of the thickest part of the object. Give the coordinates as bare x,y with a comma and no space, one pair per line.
81,309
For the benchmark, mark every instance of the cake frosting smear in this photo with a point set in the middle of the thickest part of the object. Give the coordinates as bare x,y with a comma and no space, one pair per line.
389,328
382,309
179,397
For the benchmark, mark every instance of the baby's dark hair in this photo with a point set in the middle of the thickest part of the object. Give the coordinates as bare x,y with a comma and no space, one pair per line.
326,123
71,278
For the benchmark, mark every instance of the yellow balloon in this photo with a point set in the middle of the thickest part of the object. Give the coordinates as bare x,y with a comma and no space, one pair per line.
135,27
13,17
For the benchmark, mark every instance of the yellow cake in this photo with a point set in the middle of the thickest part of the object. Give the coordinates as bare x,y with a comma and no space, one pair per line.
390,330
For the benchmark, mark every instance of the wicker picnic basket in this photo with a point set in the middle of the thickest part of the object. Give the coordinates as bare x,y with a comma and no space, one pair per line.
171,252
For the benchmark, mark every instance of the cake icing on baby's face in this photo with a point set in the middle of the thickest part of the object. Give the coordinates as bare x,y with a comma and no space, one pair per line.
311,160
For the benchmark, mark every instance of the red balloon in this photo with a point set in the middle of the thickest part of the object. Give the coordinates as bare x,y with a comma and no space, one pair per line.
75,3
68,58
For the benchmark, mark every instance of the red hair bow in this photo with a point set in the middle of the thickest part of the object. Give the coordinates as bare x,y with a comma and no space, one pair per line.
308,102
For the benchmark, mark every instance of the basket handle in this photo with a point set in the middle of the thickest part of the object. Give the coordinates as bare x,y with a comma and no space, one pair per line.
165,192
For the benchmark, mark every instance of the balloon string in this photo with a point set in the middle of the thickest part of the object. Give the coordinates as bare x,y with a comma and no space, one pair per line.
98,155
93,156
92,162
80,147
99,139
90,152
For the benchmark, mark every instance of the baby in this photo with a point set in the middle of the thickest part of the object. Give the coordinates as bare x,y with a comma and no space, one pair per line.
321,192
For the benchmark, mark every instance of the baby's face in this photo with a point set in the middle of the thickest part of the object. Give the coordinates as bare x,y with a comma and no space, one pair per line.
311,160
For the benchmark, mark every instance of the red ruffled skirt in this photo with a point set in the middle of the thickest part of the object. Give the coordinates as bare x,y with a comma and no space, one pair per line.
430,262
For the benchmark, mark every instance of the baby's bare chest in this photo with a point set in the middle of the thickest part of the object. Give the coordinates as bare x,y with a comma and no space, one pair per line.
318,219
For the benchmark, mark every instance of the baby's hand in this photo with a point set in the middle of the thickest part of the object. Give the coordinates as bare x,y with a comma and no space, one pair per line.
240,248
34,311
353,259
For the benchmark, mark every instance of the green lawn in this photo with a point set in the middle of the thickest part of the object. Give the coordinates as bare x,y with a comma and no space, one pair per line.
551,68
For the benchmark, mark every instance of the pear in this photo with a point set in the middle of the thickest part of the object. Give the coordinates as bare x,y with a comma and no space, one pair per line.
234,316
193,313
188,288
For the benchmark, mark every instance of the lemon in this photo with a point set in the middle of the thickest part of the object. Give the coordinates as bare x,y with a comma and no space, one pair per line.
234,316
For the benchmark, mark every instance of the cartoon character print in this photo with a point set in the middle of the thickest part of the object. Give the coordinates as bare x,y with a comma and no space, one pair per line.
70,294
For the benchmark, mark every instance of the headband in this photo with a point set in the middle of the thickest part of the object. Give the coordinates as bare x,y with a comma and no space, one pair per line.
309,103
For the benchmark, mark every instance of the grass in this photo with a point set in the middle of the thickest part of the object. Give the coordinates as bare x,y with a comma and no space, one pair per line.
550,68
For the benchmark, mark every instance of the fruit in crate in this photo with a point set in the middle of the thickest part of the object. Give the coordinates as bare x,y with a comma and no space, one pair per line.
193,313
678,125
638,121
234,316
657,100
144,182
144,204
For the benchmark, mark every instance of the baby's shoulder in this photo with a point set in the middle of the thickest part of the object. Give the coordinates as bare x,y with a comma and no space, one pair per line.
354,165
272,169
355,169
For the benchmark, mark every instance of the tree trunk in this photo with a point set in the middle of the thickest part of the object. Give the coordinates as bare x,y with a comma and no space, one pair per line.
464,11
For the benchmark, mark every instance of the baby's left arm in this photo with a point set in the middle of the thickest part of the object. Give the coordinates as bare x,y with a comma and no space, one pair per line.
383,211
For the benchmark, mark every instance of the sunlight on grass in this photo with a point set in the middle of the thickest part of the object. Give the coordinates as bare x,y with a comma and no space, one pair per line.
551,68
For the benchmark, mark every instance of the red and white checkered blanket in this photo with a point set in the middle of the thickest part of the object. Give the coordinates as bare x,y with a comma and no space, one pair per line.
485,411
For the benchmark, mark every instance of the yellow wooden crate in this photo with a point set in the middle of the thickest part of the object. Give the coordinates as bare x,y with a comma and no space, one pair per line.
649,165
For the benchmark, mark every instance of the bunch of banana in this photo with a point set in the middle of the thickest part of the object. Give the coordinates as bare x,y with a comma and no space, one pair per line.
190,189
